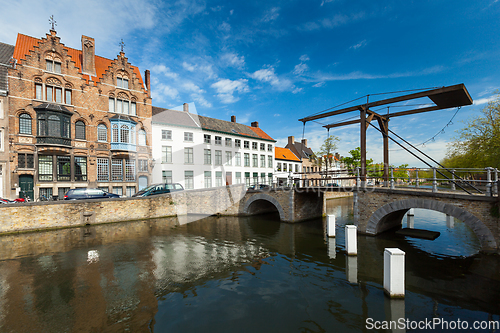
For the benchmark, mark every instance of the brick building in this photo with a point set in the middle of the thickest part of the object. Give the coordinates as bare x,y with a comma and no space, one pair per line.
76,119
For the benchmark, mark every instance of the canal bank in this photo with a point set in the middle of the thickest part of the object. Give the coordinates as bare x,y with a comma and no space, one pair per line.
233,273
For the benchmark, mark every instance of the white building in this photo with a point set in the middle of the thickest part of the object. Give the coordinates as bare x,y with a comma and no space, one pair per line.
288,167
201,152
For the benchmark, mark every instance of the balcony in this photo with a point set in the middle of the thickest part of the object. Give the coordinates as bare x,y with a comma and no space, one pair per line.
123,146
50,140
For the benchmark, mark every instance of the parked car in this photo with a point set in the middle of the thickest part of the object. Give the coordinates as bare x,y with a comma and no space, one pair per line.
156,189
88,193
259,187
332,185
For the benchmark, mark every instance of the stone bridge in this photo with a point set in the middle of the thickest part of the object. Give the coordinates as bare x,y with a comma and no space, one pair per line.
379,209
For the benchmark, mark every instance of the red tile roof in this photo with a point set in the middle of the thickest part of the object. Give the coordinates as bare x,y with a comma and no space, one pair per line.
285,154
26,43
261,133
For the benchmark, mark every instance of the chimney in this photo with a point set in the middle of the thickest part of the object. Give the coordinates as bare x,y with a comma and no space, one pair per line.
304,142
233,119
185,107
291,140
88,55
147,77
255,124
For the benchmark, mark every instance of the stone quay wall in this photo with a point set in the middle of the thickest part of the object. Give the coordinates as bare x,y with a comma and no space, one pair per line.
35,216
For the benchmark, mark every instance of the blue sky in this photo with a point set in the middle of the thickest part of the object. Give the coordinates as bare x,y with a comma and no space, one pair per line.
277,61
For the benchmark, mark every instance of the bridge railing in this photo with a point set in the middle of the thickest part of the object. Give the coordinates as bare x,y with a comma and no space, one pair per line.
470,180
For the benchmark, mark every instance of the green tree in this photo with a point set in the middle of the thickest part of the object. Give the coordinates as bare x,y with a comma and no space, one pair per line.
478,144
326,154
354,161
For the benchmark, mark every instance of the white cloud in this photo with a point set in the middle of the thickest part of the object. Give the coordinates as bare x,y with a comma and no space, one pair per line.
224,26
300,69
277,115
227,88
304,58
271,15
190,86
361,44
205,69
482,101
319,84
325,1
164,70
233,60
268,75
333,22
201,100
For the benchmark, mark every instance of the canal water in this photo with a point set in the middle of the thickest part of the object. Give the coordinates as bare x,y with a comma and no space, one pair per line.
239,275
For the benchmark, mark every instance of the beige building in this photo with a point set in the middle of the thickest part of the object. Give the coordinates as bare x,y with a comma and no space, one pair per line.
6,62
310,169
76,119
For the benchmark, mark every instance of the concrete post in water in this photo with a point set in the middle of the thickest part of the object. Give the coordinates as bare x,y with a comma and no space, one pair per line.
411,211
332,248
450,222
417,182
410,221
392,178
453,180
351,245
488,182
351,269
434,181
330,225
394,272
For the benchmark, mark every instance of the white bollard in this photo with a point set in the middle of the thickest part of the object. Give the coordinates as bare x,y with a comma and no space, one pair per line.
450,222
394,272
351,245
332,248
351,269
330,225
411,212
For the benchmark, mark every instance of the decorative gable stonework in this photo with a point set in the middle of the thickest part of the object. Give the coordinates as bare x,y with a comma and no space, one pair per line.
84,84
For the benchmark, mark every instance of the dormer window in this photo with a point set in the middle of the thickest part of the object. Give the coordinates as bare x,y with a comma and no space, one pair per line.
53,66
122,82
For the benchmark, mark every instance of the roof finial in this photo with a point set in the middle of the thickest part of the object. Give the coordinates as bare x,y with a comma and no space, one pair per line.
121,45
52,22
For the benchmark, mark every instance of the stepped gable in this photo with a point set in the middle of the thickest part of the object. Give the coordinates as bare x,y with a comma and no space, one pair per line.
25,44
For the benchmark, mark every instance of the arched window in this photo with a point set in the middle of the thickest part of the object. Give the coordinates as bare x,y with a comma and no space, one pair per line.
24,123
80,130
114,137
102,133
142,137
124,134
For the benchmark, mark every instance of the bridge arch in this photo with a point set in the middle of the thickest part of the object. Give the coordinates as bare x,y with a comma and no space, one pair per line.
251,202
391,215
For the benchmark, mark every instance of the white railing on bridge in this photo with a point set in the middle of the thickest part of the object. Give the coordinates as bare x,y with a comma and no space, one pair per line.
470,180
